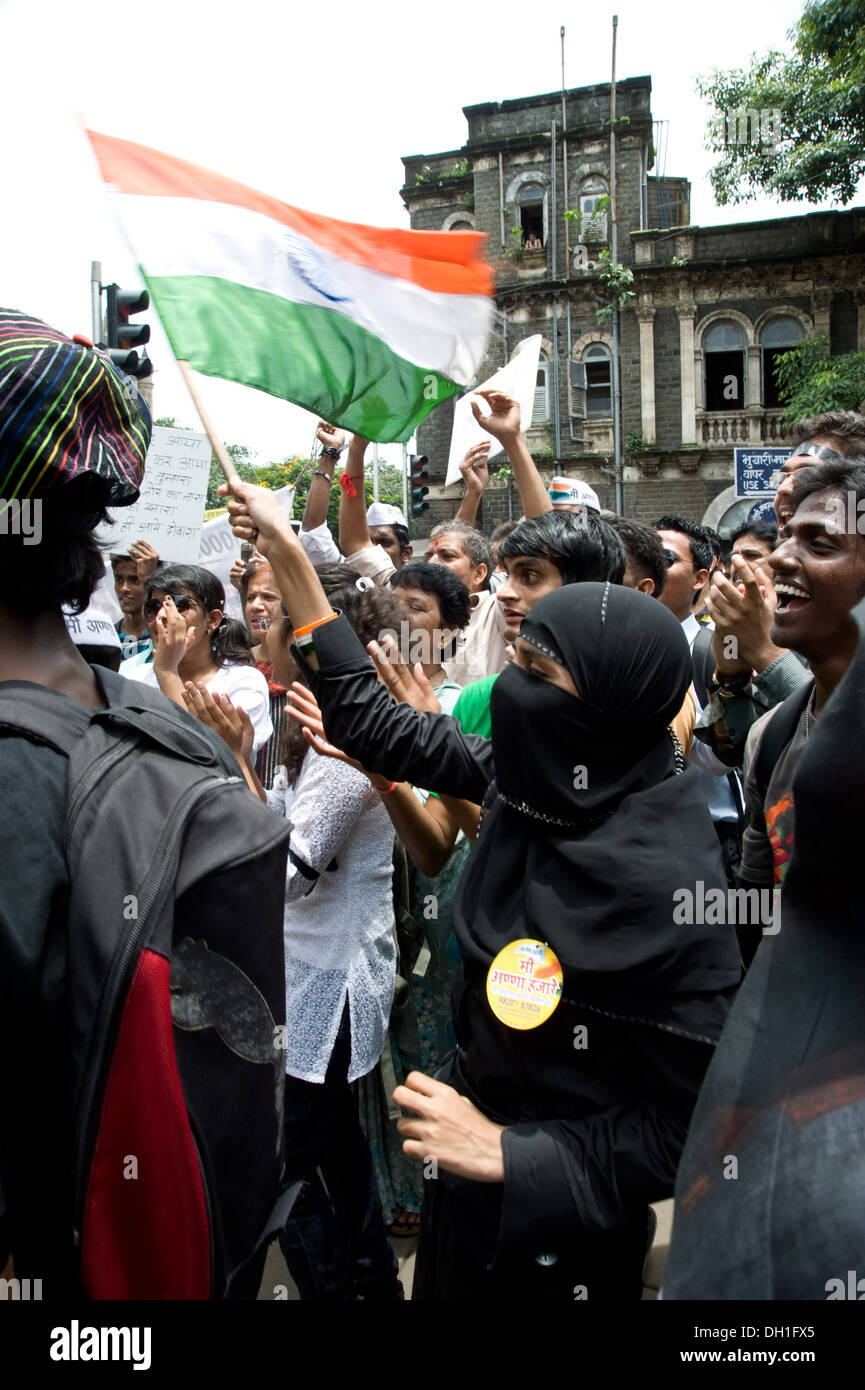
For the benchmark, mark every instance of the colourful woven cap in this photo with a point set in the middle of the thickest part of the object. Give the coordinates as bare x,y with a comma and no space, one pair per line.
66,412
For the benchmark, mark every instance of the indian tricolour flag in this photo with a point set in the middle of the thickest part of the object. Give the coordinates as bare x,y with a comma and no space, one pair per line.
369,327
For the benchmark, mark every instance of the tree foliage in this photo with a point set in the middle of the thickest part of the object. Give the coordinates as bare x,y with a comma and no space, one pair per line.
617,281
813,146
389,488
810,381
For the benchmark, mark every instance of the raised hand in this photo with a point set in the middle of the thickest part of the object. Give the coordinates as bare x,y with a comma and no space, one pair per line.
329,435
743,609
236,573
172,638
408,685
145,557
474,467
255,515
503,423
215,710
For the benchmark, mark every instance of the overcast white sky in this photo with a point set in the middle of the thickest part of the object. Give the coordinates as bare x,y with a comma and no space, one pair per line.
314,103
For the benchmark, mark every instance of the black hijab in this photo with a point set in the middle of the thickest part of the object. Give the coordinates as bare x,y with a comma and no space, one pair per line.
588,861
630,662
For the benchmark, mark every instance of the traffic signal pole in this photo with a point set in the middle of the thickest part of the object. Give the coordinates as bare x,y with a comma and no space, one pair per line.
417,483
117,335
96,299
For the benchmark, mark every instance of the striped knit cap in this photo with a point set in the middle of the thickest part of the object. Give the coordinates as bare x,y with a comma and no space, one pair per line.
66,412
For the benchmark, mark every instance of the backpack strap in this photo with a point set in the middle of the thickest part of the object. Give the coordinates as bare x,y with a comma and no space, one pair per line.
41,715
45,716
150,713
777,734
703,663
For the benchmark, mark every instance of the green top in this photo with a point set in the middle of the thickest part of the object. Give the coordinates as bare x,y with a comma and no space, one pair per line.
472,709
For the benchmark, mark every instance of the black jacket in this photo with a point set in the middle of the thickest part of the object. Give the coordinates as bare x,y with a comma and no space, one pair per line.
595,1131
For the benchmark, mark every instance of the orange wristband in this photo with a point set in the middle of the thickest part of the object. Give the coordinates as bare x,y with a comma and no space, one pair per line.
308,627
386,791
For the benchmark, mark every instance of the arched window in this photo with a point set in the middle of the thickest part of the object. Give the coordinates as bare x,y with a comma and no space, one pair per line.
541,410
530,204
778,336
594,223
599,398
724,367
460,227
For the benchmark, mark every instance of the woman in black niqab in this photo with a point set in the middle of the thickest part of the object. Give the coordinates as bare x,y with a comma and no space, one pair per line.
590,832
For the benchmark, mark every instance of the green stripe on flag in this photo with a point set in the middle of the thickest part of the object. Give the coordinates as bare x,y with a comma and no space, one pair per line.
312,356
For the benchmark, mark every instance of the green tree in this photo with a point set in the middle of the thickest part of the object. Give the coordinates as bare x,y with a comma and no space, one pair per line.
298,471
813,145
246,471
810,381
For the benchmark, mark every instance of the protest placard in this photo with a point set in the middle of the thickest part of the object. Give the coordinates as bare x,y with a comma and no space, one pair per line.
518,378
218,550
170,511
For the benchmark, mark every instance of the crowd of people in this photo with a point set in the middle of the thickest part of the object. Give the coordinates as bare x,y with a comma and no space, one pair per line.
540,791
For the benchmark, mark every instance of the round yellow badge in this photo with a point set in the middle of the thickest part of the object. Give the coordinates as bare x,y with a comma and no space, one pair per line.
524,984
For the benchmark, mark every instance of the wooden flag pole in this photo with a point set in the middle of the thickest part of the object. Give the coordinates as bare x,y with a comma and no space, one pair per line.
226,462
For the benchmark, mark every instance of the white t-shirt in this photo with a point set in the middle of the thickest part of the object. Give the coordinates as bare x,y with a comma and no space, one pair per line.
243,685
338,924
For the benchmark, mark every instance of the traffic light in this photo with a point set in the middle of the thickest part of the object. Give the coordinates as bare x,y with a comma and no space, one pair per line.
417,477
123,336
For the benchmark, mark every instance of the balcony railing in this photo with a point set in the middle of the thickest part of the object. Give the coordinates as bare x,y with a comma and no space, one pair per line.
724,429
773,430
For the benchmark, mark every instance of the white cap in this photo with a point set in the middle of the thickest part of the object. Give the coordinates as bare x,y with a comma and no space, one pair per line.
91,629
572,492
384,514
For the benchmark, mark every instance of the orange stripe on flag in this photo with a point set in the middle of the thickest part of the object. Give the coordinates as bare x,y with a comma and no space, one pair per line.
445,262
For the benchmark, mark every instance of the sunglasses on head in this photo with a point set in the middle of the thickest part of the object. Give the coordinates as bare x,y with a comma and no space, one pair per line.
182,602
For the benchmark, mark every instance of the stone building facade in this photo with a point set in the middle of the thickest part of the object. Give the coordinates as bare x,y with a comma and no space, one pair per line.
713,305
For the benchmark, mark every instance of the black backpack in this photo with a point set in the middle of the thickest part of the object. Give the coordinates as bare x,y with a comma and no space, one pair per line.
175,994
777,734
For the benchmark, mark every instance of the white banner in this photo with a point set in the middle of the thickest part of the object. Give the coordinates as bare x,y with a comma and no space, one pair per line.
170,510
518,378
